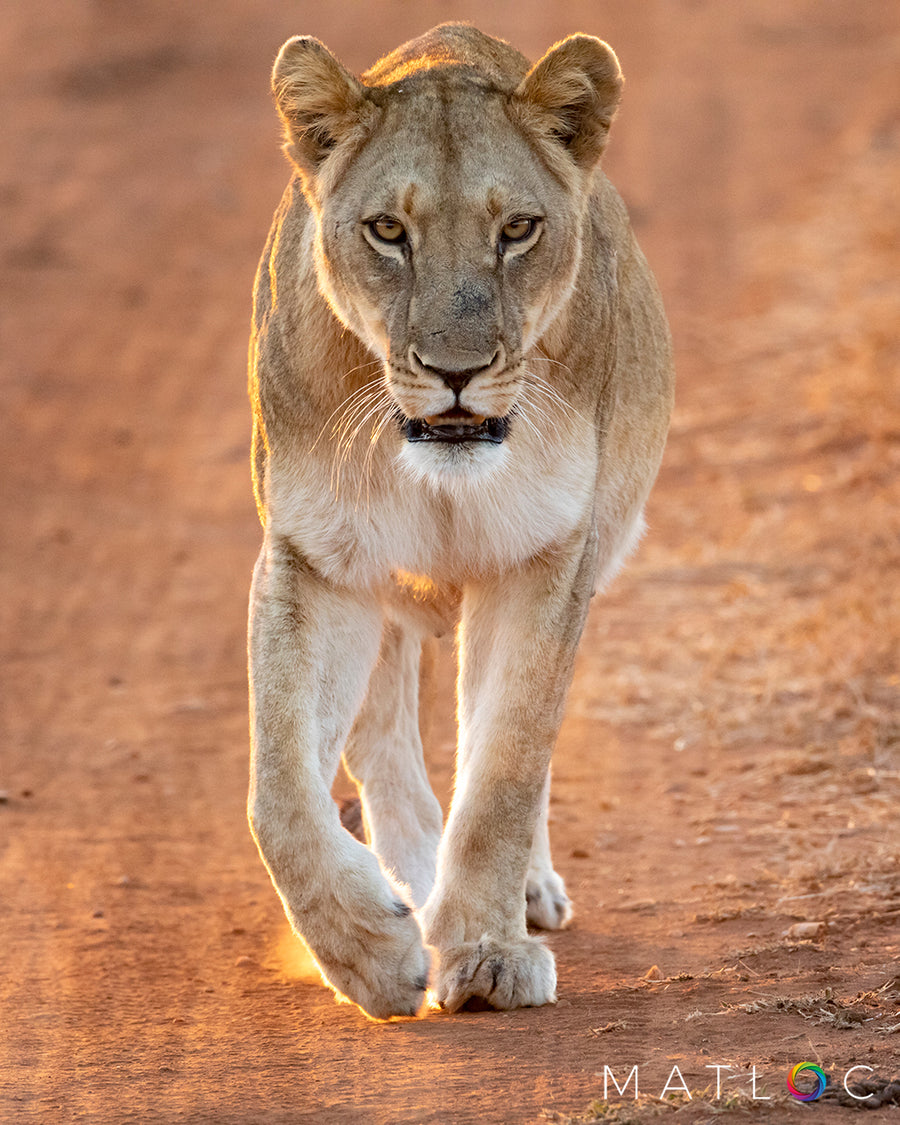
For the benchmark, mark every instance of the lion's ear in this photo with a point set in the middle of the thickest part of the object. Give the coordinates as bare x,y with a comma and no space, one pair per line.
571,96
321,104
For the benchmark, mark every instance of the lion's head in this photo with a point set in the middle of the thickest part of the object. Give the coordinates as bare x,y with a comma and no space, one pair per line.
449,187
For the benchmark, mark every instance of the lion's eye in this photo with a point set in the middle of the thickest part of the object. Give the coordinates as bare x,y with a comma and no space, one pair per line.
517,230
388,230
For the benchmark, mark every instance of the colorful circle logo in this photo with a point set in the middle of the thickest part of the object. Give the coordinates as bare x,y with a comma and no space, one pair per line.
815,1071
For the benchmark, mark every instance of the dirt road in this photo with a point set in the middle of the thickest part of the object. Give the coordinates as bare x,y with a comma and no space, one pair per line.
730,764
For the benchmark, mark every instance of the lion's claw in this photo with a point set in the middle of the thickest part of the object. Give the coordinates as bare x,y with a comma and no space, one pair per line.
518,974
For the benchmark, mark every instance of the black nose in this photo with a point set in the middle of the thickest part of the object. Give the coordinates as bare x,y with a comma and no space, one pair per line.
455,379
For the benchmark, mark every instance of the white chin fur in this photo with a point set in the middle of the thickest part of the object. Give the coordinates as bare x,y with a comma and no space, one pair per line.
452,465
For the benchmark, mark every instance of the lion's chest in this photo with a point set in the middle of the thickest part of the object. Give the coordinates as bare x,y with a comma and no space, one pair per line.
480,527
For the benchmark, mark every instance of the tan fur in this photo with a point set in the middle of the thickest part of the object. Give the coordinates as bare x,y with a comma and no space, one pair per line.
372,542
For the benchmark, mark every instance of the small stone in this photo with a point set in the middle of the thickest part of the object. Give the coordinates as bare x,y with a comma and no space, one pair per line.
580,853
243,962
655,973
4,797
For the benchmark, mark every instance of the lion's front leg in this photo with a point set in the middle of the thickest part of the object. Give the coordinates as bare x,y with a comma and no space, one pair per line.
312,648
518,640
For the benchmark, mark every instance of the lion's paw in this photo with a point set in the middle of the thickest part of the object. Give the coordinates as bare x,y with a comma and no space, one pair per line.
379,963
518,974
547,904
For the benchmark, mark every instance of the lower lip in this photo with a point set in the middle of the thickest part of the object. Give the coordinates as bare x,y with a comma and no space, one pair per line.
492,430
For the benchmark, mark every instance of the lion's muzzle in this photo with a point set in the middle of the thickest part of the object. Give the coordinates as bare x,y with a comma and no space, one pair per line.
456,426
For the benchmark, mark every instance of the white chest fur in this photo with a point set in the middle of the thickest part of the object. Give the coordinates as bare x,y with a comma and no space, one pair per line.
406,511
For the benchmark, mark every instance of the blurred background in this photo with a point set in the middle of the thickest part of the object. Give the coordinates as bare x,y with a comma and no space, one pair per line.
758,149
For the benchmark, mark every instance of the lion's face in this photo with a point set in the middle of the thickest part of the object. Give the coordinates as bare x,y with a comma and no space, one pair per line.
449,259
449,218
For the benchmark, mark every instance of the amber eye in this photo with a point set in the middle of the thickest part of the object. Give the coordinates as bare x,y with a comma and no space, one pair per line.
388,230
517,230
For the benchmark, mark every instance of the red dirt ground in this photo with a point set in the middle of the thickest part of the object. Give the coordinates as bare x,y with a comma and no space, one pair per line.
730,764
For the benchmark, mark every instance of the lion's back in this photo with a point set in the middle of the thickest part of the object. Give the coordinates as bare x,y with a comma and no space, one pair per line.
449,45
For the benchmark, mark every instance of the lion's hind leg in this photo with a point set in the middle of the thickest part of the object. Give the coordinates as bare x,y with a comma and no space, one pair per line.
547,905
401,815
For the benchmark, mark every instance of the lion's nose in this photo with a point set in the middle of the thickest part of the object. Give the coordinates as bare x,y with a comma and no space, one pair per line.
456,373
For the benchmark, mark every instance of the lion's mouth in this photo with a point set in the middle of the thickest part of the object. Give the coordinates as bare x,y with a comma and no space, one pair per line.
456,426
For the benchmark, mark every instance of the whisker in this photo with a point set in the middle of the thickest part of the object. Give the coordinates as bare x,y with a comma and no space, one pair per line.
376,402
540,378
344,448
519,410
341,433
541,386
544,358
346,431
377,431
345,403
352,403
365,412
541,440
346,428
536,408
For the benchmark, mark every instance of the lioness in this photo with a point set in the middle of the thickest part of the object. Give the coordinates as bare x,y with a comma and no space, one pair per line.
461,382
